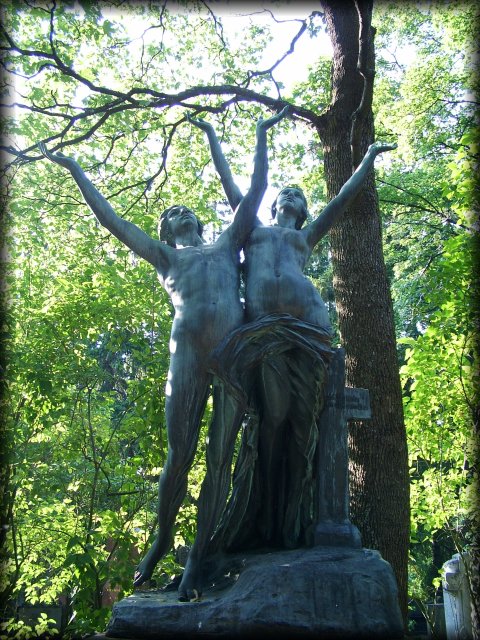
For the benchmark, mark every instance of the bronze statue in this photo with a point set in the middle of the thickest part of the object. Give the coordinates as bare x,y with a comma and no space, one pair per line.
203,283
280,357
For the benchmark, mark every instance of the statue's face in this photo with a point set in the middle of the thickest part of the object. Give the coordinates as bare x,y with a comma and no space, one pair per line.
179,219
290,206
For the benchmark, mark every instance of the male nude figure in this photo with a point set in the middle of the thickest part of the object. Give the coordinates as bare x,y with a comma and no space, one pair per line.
203,283
275,257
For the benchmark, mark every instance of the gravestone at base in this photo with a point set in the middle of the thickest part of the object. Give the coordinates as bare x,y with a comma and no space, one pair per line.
320,592
332,590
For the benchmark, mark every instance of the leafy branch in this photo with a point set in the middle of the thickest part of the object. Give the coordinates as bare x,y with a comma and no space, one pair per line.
138,98
158,101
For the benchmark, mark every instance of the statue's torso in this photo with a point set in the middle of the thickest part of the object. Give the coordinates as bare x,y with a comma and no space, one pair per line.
203,285
274,261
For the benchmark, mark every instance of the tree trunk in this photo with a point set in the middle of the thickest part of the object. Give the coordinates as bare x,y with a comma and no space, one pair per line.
379,481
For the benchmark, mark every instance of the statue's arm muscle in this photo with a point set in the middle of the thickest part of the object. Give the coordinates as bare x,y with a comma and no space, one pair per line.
246,214
347,194
127,232
233,193
154,251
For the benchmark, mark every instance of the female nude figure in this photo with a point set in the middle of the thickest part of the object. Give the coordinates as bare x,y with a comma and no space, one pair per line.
203,283
286,386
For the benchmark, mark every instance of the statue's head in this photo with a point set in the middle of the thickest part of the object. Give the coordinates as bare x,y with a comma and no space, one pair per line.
165,228
302,211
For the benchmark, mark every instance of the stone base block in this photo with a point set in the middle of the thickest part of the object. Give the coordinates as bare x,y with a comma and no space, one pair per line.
337,535
321,592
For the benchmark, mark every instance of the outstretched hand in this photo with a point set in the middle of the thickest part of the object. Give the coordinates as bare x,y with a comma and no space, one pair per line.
380,147
58,158
261,124
269,122
201,124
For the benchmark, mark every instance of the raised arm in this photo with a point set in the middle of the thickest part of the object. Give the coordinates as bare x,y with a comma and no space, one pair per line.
128,233
233,193
246,213
347,194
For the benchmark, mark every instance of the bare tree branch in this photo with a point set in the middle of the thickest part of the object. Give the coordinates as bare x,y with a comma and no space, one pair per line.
158,101
85,122
91,120
57,63
417,196
217,23
269,71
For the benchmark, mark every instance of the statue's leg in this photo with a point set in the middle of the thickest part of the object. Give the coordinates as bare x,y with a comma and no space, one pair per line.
237,527
186,397
226,422
274,401
305,380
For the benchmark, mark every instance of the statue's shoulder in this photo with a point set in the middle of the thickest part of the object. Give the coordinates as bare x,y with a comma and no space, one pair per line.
262,231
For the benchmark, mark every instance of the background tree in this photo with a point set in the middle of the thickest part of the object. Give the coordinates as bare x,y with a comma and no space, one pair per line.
379,501
430,197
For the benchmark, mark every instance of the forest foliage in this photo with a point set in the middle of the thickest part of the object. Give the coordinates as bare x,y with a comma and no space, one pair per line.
87,323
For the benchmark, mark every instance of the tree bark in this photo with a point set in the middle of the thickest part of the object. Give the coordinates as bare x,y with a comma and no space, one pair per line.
379,481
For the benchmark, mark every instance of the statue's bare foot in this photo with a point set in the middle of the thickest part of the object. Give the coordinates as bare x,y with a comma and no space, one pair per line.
143,573
145,569
190,596
189,589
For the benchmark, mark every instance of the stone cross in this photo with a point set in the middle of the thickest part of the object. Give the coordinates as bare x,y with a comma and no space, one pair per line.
341,404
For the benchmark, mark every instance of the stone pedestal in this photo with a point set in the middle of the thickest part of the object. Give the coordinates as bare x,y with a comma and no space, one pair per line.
334,590
321,592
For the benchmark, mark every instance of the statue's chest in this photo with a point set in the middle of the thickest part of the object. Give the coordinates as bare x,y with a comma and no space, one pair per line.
276,244
197,269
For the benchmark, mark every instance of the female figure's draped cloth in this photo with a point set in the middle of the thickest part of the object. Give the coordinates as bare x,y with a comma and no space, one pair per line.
276,356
